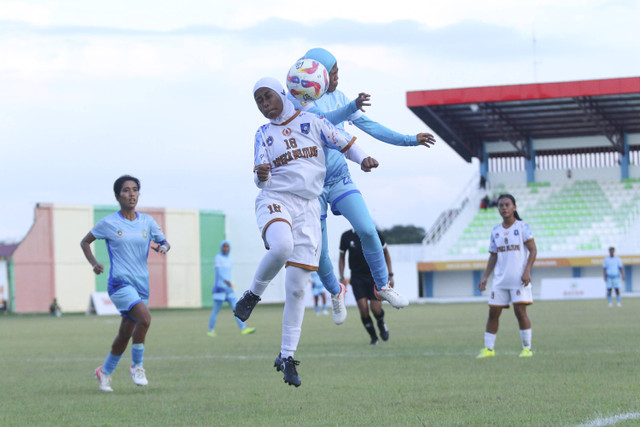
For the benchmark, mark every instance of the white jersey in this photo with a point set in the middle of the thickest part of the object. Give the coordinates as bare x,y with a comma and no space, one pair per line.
294,149
508,243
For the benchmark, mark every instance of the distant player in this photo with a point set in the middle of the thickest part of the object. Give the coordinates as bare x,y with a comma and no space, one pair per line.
289,169
512,254
342,194
361,282
319,293
128,235
223,290
613,271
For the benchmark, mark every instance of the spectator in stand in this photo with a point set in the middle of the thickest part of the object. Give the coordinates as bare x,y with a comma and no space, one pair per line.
484,203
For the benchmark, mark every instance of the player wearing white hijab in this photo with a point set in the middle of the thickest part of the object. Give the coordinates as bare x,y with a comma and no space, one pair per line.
290,169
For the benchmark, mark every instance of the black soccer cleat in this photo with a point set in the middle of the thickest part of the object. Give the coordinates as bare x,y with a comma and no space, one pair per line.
288,367
384,331
245,305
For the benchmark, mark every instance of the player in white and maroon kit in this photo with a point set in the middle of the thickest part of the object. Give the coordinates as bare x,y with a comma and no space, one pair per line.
513,252
289,169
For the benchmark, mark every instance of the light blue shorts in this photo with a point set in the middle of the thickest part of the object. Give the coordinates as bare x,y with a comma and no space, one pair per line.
223,293
317,290
125,298
334,192
613,282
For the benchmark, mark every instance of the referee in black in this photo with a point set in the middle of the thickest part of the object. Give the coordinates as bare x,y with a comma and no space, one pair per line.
362,283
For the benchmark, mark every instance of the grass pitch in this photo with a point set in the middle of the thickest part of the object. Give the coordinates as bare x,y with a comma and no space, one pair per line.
584,370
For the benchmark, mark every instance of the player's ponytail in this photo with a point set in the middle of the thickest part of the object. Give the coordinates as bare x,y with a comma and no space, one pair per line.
513,200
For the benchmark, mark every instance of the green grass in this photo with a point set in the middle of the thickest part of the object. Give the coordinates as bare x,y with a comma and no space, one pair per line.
585,367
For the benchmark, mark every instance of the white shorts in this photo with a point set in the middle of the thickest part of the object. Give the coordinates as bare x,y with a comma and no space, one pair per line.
502,297
302,215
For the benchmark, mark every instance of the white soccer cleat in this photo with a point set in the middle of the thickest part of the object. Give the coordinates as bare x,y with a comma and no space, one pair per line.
387,293
339,308
104,380
138,376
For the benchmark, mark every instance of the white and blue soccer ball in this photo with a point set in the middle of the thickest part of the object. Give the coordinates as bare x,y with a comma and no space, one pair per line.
307,80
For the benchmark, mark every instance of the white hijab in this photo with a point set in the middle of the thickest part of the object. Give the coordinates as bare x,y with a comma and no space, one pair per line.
288,109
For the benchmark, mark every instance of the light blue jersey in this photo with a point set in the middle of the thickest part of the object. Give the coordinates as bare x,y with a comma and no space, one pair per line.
612,266
128,246
337,108
223,266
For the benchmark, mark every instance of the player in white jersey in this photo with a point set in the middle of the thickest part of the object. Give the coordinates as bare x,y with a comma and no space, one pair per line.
512,254
128,235
289,169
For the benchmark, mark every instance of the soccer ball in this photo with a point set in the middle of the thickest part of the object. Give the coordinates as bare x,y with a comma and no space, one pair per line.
307,80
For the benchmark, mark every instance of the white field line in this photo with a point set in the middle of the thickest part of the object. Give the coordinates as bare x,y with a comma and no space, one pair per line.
334,355
609,421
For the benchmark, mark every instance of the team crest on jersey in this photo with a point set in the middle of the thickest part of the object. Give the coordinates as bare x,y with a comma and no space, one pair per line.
506,241
144,234
286,131
518,292
515,232
119,233
269,141
305,128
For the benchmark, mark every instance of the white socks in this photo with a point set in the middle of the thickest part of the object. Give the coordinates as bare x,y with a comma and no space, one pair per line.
295,284
489,340
525,334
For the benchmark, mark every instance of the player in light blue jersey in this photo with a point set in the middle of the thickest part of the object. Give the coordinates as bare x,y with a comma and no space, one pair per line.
341,193
223,290
128,235
613,271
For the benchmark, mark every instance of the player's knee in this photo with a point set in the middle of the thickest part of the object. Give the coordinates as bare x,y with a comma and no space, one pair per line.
282,249
367,232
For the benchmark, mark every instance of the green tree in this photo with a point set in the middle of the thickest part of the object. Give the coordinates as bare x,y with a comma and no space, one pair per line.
399,234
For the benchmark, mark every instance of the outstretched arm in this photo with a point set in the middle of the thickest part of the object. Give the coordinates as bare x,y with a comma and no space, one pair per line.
389,136
337,116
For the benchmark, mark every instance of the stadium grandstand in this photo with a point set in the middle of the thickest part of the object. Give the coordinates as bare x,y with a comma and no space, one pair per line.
569,153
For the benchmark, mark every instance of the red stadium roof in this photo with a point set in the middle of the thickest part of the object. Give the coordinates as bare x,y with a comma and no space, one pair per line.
467,117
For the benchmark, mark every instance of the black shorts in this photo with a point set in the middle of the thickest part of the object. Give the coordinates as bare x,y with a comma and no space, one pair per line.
363,287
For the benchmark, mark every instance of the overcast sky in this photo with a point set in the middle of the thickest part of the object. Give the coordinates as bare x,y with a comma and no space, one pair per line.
90,90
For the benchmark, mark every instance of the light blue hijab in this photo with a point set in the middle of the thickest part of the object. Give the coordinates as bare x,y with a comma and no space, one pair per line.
323,56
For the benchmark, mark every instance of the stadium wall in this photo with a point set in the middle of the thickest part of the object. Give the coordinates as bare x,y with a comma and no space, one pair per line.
49,263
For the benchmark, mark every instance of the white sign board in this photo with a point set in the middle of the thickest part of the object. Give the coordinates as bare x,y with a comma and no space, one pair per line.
572,288
101,304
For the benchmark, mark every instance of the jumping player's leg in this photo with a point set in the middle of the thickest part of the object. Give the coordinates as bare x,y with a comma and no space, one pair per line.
280,242
325,268
232,300
354,209
295,283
